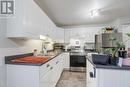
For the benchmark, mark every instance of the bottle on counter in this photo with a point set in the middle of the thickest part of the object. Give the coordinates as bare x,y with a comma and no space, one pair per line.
122,53
35,52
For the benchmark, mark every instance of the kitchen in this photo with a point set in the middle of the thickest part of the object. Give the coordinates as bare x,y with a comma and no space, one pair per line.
60,22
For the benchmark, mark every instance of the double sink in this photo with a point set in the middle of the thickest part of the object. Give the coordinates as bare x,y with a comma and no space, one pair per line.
101,59
26,59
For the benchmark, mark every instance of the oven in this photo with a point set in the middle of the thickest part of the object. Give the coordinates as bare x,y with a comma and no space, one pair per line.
77,62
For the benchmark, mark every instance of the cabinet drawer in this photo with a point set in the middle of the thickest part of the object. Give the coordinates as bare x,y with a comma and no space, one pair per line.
45,68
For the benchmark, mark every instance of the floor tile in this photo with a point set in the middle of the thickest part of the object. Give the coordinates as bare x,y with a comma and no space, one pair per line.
72,79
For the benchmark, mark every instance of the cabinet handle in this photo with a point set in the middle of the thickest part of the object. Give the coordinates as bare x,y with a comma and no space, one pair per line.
47,65
51,68
93,74
57,62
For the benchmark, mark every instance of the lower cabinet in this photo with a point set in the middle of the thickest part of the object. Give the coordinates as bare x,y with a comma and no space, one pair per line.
66,59
103,77
2,73
58,68
46,80
91,75
46,75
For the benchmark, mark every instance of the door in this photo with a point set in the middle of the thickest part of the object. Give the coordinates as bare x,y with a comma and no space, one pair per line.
66,60
57,70
77,61
91,75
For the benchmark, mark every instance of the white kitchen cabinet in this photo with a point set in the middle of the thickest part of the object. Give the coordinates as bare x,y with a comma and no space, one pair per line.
91,81
0,76
29,21
46,80
67,35
58,69
46,75
114,78
50,28
2,73
87,34
22,76
103,77
66,59
59,35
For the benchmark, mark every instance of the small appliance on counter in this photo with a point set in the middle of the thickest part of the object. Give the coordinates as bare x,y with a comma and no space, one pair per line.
126,62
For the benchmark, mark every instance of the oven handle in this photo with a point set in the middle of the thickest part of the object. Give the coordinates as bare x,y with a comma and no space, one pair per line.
93,74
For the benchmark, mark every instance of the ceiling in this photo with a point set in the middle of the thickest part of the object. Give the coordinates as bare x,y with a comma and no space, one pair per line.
76,12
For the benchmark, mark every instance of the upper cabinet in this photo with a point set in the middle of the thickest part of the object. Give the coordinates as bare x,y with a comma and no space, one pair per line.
29,21
67,35
59,35
86,34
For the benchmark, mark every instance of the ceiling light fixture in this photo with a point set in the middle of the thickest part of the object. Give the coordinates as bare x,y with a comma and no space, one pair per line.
42,37
94,13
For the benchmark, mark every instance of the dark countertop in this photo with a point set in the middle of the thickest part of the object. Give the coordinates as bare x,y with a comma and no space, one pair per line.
9,58
108,66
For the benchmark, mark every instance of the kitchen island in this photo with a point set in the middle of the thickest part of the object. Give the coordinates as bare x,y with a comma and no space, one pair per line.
106,75
44,74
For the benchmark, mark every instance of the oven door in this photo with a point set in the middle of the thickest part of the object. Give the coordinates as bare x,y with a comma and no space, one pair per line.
77,62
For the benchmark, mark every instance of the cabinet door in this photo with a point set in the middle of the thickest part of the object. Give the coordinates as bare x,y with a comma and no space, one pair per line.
1,76
67,35
85,33
14,25
22,76
51,29
46,80
29,21
113,78
59,35
91,79
57,71
33,19
66,60
58,68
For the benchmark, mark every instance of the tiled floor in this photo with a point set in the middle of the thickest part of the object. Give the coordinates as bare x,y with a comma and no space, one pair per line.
72,79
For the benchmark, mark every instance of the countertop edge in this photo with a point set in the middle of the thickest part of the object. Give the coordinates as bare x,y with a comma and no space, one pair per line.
108,66
8,58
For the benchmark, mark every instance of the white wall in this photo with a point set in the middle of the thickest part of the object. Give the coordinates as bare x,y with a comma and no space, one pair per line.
120,22
12,47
